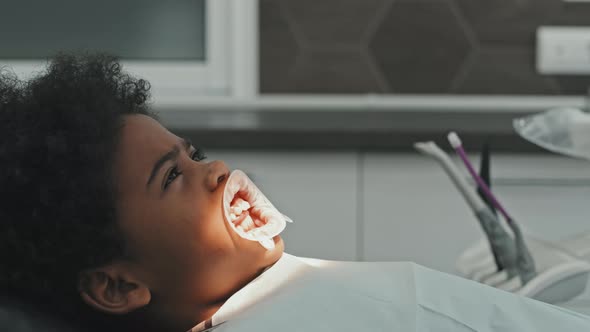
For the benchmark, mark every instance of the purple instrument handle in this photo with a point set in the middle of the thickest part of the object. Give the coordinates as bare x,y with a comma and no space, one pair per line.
480,182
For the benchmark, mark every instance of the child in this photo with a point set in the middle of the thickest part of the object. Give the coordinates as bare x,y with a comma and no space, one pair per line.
102,208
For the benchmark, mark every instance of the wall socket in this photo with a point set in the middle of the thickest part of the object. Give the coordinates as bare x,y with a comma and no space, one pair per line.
563,50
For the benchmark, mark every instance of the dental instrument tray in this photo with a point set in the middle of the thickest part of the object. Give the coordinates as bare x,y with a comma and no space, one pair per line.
561,275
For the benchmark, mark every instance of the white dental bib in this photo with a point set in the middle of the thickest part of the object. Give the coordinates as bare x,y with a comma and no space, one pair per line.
300,295
270,282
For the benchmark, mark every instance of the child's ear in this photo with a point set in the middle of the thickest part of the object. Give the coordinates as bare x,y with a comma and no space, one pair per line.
113,289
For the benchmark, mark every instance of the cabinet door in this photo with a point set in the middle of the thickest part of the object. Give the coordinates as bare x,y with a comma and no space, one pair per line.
548,195
317,190
412,212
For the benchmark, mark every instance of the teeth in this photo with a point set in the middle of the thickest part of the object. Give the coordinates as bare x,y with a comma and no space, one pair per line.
237,210
258,222
239,206
250,222
247,224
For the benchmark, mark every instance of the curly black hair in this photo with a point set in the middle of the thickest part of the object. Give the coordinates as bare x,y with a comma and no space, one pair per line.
59,133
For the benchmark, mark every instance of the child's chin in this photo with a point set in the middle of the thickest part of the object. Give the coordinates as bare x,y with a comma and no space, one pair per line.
256,249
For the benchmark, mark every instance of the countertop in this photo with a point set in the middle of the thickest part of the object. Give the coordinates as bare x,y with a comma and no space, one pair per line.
359,123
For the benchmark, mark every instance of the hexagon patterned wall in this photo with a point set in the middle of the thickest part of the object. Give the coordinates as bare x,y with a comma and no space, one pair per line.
411,46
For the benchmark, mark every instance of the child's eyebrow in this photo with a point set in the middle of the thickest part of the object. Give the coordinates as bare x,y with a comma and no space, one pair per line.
170,155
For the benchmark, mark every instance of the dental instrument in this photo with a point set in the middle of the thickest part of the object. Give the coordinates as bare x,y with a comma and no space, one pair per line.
457,145
431,149
501,243
524,261
560,276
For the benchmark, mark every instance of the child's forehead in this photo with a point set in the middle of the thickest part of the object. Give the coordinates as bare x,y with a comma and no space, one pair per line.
141,131
142,141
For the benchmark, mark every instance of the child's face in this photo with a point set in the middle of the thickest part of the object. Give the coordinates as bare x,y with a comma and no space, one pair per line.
176,234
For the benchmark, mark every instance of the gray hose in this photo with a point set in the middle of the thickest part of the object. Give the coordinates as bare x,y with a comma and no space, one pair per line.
500,241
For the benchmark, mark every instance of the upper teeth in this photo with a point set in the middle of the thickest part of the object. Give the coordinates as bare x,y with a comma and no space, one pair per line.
239,206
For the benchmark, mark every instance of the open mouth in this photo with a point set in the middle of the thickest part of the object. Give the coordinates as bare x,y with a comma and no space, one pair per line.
249,212
243,216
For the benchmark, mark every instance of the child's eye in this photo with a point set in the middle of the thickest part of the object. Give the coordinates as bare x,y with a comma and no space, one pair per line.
174,173
198,155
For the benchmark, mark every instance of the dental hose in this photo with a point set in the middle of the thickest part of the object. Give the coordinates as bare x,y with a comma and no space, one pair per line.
501,244
525,264
484,173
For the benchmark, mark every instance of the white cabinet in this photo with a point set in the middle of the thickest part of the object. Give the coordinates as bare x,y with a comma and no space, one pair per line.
548,195
318,190
412,211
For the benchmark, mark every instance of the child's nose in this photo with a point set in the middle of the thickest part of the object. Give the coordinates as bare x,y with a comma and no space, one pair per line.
218,172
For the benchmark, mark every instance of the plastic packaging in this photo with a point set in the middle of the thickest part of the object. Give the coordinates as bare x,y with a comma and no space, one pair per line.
561,130
269,221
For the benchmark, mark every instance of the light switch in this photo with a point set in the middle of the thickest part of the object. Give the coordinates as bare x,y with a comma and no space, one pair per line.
563,50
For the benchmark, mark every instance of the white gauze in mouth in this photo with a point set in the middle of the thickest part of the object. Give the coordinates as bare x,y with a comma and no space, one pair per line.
262,222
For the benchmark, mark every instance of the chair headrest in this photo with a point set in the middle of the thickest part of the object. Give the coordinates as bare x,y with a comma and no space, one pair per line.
19,316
